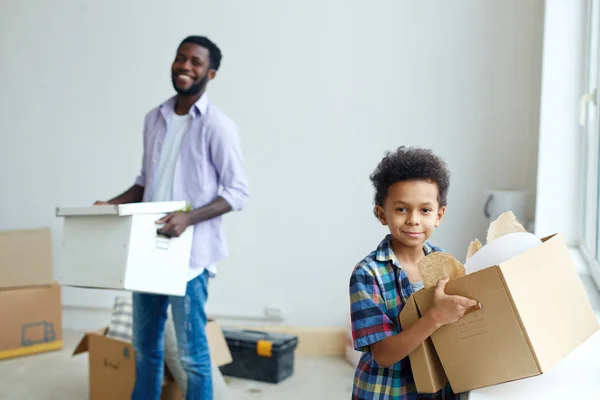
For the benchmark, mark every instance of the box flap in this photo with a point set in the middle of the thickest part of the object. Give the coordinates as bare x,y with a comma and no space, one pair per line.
550,299
83,345
219,350
122,209
484,347
427,369
25,257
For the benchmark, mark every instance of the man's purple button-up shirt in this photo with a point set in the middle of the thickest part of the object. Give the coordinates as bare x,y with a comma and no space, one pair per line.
210,164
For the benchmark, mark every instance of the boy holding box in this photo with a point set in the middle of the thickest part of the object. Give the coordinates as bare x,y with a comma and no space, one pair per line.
411,188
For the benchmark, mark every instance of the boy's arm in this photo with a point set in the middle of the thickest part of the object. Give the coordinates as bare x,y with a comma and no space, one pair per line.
374,331
394,348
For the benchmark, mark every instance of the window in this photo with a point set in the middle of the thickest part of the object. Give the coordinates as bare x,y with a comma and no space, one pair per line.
591,145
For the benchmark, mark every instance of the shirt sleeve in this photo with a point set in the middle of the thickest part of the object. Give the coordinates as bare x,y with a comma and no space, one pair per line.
370,323
140,180
227,158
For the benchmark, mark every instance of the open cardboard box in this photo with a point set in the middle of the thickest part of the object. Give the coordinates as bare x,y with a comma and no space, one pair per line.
112,364
534,312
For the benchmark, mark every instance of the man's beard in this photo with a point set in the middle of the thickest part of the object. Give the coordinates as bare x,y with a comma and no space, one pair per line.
192,90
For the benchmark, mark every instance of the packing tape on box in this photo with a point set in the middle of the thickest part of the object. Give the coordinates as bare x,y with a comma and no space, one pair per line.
34,349
264,348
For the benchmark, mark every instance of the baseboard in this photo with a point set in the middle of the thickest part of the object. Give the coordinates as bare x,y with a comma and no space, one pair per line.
85,319
312,341
321,342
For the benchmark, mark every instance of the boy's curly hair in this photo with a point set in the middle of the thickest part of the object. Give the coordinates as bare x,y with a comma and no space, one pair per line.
406,164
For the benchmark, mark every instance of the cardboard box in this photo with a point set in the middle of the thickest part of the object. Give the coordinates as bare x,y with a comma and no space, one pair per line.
112,364
427,369
534,312
31,320
117,247
25,258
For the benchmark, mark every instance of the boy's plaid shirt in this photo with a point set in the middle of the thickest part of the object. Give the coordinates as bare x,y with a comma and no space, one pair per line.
379,288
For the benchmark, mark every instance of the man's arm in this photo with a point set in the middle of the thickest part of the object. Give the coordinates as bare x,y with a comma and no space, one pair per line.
215,208
176,223
134,194
226,156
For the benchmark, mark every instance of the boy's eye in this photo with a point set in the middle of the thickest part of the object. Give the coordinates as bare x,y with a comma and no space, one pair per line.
401,209
426,210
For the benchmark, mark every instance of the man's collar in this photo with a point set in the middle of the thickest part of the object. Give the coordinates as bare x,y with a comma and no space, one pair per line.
200,107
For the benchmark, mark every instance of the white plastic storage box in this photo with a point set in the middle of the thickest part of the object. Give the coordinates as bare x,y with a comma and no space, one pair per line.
117,247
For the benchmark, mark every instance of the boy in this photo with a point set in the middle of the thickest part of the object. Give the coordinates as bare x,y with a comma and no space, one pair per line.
411,188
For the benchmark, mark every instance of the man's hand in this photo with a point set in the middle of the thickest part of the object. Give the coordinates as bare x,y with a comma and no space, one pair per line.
175,224
449,309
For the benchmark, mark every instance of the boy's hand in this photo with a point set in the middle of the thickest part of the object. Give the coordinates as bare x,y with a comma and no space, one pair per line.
448,309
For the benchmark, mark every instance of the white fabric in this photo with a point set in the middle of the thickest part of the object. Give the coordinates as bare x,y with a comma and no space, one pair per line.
121,320
177,127
220,389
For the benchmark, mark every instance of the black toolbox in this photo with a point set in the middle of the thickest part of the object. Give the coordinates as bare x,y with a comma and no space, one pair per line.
260,356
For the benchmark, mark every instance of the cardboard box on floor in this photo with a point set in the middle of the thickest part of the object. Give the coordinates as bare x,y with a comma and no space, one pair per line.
534,312
31,320
112,364
30,302
25,258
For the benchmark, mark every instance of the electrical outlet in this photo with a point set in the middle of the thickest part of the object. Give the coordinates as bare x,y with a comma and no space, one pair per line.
273,313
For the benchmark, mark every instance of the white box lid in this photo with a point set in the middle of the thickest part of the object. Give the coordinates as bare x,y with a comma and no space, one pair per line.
122,209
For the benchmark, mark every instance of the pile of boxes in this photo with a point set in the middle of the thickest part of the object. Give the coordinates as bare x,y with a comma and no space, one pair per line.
30,300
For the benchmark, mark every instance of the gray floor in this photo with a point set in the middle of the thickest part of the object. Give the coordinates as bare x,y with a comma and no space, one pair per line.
58,375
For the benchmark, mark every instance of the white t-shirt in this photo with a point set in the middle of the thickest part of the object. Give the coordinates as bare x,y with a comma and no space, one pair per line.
162,189
177,127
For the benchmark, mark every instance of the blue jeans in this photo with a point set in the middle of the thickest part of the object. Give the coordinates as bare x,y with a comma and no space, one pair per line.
189,318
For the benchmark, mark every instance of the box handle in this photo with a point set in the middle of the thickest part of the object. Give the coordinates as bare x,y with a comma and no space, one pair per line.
162,241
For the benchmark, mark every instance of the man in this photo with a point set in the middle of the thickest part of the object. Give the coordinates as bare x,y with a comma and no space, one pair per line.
191,153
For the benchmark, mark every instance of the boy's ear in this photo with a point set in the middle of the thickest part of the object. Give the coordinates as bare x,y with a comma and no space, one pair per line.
381,215
440,215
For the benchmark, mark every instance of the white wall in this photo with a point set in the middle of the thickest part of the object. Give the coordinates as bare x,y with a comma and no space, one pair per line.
560,178
320,91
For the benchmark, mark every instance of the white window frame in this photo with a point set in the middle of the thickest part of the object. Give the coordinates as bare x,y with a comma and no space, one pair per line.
589,119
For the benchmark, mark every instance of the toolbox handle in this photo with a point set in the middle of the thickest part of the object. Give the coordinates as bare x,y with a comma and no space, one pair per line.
256,332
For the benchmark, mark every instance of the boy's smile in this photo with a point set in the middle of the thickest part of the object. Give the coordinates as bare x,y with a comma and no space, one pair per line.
411,211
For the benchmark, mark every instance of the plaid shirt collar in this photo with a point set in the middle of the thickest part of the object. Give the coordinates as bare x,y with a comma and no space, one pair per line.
385,252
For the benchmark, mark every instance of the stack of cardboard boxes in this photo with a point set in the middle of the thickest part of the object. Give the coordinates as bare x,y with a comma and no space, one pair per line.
30,301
